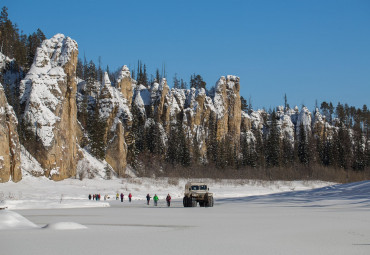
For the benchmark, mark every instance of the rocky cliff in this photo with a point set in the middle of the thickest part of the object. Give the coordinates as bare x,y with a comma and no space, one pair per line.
52,134
114,111
48,102
10,161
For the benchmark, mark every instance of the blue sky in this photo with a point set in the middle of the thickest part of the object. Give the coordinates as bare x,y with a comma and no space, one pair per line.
310,50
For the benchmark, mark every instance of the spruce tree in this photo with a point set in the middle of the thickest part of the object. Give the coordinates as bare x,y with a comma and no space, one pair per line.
96,130
287,152
176,82
183,84
245,151
303,147
196,81
273,143
211,140
171,155
157,76
244,105
79,69
359,156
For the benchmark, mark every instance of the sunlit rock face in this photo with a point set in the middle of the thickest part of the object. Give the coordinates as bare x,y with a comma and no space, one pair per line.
10,163
48,101
114,111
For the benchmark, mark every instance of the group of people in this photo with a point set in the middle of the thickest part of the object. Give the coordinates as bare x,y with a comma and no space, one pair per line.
118,196
97,197
94,197
155,198
122,196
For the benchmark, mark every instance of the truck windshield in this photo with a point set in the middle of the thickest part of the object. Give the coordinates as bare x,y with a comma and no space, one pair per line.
195,187
203,187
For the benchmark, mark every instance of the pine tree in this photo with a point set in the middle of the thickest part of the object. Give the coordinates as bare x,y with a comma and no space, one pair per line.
79,69
171,155
183,144
83,113
196,81
287,152
34,41
150,138
138,129
245,150
159,146
91,76
176,82
96,131
157,76
211,140
183,84
273,143
99,71
285,103
244,105
303,147
145,77
359,156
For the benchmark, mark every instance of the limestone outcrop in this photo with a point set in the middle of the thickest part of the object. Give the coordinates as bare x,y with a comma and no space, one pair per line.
125,84
48,101
10,162
227,105
114,111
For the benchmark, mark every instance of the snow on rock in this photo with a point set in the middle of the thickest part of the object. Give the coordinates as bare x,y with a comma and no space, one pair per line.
48,104
142,98
227,104
114,110
176,100
218,98
125,83
91,167
11,220
111,101
29,164
123,73
304,118
285,124
4,60
257,119
40,89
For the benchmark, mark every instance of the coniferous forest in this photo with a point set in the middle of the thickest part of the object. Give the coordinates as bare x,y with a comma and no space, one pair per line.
330,142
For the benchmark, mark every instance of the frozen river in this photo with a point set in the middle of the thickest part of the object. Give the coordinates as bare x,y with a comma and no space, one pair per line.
333,220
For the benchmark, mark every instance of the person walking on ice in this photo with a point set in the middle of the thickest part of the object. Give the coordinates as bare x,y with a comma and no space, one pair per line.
147,199
155,198
129,197
168,199
117,196
122,197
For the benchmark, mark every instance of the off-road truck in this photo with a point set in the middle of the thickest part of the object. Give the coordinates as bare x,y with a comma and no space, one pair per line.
197,192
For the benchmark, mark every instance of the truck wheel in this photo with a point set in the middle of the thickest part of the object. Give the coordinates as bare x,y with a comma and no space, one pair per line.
201,204
184,202
193,202
209,203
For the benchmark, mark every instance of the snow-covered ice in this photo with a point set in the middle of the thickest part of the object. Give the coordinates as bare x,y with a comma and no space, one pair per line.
291,218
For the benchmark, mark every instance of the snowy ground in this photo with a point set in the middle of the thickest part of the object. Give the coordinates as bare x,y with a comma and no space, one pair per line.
248,218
